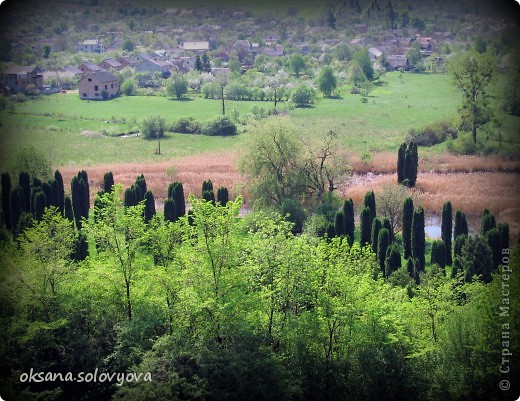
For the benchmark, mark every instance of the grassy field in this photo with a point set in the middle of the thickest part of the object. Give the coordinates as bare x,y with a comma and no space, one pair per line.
55,123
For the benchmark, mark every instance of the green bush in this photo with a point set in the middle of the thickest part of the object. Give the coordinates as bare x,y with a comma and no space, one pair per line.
222,126
187,125
433,133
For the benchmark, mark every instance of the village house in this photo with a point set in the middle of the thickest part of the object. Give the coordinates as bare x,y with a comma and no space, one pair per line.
111,64
196,46
91,46
98,85
152,66
87,68
398,62
18,78
374,54
127,61
274,51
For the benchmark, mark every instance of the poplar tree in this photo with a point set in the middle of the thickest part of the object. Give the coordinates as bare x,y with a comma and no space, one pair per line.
418,238
408,211
446,230
348,211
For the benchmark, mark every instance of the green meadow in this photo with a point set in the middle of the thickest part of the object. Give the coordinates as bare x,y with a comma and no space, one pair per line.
54,123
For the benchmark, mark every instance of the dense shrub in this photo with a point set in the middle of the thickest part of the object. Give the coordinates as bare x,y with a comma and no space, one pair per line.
433,133
187,125
222,126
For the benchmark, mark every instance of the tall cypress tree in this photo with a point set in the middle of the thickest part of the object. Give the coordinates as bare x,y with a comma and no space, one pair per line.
129,197
81,247
207,186
24,182
67,209
392,260
385,223
61,190
330,231
86,192
348,211
438,255
141,183
446,230
413,270
493,240
55,191
418,237
400,163
370,202
461,225
339,224
80,198
6,193
108,182
149,206
366,226
170,212
47,190
39,204
488,222
407,227
209,196
415,165
15,204
180,203
503,229
383,242
222,196
374,233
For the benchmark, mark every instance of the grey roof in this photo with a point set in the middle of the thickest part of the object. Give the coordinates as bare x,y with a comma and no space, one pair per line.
101,76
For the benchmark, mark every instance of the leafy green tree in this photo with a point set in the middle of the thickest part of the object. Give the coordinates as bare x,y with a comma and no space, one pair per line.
121,234
6,192
221,126
408,211
129,87
32,161
297,64
472,74
128,45
383,242
447,229
418,237
294,213
153,127
414,55
177,85
303,95
327,81
363,60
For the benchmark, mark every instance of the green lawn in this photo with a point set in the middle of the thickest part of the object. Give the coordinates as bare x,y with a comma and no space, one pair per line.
55,122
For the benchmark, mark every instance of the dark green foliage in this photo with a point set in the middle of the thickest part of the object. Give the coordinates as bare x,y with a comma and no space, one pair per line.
55,192
370,202
457,254
208,196
108,182
446,230
418,238
386,224
98,206
80,205
149,209
293,212
348,211
411,165
187,125
207,186
86,191
24,182
330,231
222,196
331,20
170,212
493,239
392,260
374,232
47,190
412,266
366,226
140,182
383,242
129,197
477,259
60,190
339,223
26,221
461,225
222,126
198,63
15,207
40,203
400,163
408,210
438,253
176,192
67,208
81,247
488,222
503,229
6,192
